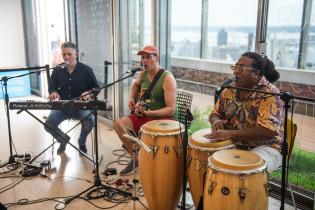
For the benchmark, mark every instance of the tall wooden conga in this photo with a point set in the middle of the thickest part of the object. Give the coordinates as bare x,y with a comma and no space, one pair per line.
161,170
199,150
236,180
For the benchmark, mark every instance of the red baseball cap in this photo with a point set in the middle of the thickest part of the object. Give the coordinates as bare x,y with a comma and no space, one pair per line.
149,49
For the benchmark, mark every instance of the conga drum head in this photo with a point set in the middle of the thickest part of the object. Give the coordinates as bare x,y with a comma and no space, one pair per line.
162,126
236,160
201,139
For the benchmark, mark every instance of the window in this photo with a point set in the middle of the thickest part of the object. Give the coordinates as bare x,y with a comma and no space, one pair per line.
186,28
283,32
310,61
140,24
147,23
232,27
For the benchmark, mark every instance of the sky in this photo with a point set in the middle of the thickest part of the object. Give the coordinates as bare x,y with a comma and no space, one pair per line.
235,12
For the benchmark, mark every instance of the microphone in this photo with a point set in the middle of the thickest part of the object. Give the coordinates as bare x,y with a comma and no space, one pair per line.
95,91
189,115
63,65
224,84
227,82
136,69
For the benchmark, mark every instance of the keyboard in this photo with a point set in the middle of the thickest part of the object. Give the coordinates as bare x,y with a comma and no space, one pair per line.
58,105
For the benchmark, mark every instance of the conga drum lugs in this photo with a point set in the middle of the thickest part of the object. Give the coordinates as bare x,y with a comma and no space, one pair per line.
236,180
161,170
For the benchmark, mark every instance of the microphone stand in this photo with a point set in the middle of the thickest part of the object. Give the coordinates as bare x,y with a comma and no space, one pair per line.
97,181
6,99
188,116
285,97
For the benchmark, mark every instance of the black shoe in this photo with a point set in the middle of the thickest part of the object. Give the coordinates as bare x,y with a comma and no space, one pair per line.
82,149
129,169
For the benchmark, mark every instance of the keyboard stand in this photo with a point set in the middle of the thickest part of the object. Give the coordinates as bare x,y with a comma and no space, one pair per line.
56,136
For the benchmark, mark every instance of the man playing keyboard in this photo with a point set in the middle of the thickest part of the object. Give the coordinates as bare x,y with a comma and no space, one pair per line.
74,80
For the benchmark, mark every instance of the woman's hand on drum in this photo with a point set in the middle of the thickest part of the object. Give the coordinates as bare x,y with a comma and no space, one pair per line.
218,124
220,135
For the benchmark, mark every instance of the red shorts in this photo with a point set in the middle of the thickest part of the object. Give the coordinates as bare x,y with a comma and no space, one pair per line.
137,122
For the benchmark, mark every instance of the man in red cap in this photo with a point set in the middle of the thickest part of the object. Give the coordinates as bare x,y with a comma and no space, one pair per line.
162,100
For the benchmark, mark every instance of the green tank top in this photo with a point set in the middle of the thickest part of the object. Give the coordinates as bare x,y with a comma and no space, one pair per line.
156,100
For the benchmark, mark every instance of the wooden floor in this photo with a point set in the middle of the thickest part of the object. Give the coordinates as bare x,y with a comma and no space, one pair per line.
73,173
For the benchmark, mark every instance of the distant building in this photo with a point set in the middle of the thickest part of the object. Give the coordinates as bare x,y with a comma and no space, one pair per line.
222,38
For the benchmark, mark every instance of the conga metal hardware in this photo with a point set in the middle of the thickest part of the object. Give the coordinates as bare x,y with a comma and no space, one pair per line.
189,160
225,190
153,147
205,165
267,188
242,190
166,149
177,150
242,193
154,150
211,187
198,164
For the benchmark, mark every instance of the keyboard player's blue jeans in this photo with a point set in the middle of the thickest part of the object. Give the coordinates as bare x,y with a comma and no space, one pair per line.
58,116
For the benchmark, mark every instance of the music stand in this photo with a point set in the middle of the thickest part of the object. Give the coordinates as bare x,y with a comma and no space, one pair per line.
188,117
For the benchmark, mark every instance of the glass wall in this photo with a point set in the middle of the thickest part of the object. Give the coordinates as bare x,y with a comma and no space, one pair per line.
232,28
231,31
147,39
186,28
310,59
140,24
283,32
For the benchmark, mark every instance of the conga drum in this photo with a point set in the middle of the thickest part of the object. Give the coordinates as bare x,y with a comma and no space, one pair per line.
161,170
199,150
236,180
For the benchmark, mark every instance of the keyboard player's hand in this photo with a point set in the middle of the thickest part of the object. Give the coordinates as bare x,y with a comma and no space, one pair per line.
54,96
86,96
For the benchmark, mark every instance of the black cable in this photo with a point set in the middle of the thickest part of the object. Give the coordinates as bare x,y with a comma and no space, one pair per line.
13,185
99,206
11,176
55,179
25,201
121,154
11,167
